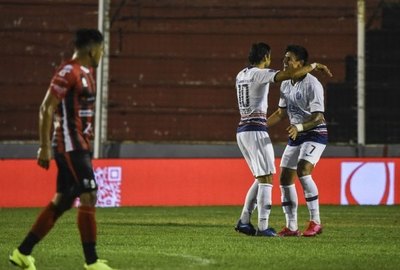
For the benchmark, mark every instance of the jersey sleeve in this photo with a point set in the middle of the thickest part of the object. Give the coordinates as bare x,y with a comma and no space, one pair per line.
265,75
282,100
316,97
62,81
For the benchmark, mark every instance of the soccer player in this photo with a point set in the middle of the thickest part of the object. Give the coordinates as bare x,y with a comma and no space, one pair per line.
302,100
252,87
71,99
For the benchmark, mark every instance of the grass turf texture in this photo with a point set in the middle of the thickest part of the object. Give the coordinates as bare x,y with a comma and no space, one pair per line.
354,237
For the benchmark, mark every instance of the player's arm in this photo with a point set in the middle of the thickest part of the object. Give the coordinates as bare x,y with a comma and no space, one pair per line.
276,117
297,73
46,112
316,119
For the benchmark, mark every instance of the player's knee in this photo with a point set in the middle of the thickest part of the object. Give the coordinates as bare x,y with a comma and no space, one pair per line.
64,204
287,177
304,168
88,198
265,179
285,181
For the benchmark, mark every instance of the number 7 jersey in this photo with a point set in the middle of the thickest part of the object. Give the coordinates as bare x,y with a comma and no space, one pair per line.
74,86
252,88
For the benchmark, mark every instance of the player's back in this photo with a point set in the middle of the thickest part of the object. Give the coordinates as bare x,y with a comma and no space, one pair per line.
252,87
74,85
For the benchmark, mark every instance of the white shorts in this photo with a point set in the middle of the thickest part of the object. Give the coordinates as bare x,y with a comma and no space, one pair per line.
310,151
257,149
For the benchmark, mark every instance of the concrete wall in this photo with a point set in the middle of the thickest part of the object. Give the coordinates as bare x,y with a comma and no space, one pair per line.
173,63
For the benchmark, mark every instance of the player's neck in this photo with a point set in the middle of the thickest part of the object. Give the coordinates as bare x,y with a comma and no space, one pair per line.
297,80
81,59
261,65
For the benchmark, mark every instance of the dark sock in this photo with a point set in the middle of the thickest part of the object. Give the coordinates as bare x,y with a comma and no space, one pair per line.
29,242
89,250
88,232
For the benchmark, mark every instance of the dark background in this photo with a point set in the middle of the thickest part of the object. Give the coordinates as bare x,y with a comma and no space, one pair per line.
173,63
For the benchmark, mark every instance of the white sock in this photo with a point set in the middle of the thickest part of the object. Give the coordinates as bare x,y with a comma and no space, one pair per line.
289,206
250,203
311,195
264,201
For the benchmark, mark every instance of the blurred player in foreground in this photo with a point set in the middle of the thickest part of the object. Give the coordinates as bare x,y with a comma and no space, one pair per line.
71,99
302,100
252,87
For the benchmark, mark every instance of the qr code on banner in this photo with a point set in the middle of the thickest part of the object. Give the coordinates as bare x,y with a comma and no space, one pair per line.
109,186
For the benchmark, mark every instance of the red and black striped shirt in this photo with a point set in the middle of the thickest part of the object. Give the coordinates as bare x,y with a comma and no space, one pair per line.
74,85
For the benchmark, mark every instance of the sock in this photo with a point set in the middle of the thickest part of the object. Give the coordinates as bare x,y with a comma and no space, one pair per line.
289,206
311,195
250,203
87,228
264,201
43,224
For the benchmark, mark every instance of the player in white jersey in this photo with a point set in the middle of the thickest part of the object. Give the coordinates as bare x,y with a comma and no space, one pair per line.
252,86
302,100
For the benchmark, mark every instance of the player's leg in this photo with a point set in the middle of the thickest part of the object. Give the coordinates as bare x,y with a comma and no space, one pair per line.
81,164
45,222
86,221
289,202
250,203
289,198
257,150
263,168
46,219
264,204
310,154
244,223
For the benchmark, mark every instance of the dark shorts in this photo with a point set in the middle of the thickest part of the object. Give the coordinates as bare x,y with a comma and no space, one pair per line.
75,173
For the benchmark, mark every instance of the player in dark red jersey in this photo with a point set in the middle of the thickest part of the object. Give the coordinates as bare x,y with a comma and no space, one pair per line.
69,104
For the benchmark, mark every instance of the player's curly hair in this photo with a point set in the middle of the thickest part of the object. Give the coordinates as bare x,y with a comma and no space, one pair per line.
300,52
85,37
258,51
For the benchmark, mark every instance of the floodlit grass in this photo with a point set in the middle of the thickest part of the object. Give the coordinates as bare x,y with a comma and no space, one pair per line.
355,237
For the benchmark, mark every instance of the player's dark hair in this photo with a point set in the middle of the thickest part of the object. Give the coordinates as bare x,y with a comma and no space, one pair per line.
258,51
300,52
85,37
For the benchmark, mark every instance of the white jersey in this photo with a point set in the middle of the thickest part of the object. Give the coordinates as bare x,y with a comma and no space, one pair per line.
300,101
252,88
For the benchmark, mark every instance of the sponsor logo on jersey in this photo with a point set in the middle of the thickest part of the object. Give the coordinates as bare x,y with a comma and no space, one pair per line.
86,113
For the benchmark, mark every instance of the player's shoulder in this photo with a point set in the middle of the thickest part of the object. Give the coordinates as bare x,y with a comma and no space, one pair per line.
310,78
247,72
265,70
312,81
242,71
264,74
286,84
69,66
68,72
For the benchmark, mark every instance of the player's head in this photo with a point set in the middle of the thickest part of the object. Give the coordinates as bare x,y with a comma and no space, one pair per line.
260,53
89,42
295,56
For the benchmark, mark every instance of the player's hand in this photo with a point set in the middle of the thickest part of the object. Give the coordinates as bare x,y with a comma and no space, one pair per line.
44,156
323,68
292,130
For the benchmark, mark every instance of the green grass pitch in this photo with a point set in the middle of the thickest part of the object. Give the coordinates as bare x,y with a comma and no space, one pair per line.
354,237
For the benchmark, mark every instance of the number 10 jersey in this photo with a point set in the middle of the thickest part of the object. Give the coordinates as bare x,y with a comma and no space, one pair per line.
252,88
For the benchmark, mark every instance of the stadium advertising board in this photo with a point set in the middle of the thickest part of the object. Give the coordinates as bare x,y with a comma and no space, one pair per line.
163,182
